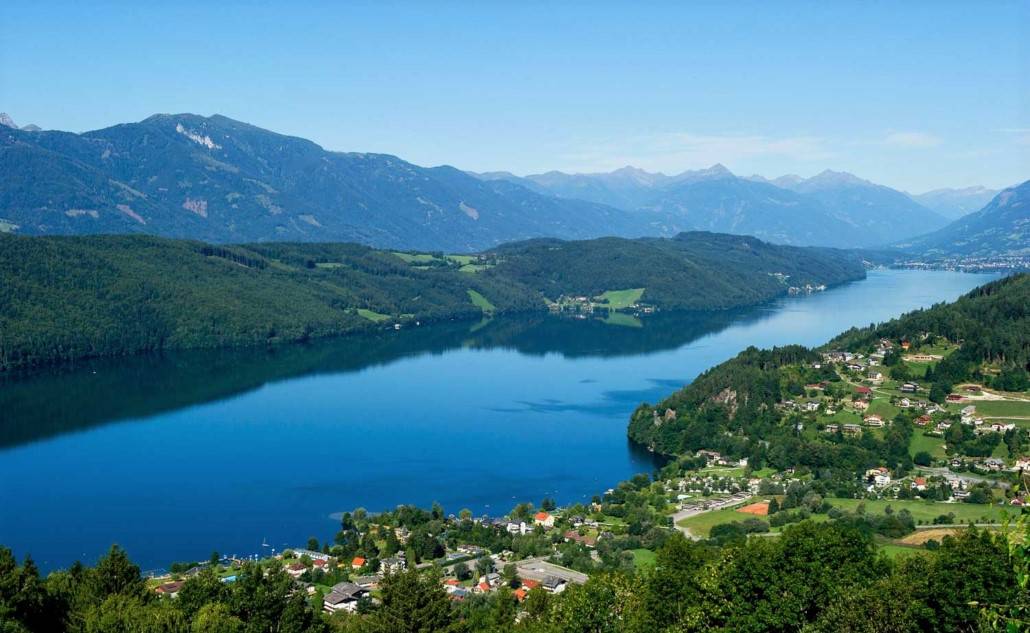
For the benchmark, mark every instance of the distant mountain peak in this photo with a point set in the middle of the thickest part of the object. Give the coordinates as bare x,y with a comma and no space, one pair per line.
7,121
828,177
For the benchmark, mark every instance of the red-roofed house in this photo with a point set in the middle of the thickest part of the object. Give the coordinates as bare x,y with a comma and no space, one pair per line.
358,562
520,594
453,582
863,390
530,584
544,519
484,587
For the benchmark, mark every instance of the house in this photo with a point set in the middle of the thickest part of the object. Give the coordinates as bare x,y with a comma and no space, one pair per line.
922,420
814,387
954,397
170,589
905,345
517,528
358,562
343,597
553,584
392,565
919,483
905,403
968,411
873,420
543,518
832,428
811,405
529,584
1023,463
312,554
458,594
879,476
366,582
863,391
296,570
909,387
520,594
860,405
483,587
852,430
573,535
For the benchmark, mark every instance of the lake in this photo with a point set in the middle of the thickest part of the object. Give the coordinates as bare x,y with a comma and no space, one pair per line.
176,455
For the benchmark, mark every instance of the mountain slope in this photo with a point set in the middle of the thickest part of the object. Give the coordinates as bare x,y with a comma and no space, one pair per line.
70,297
955,203
1002,228
727,204
830,209
878,214
221,180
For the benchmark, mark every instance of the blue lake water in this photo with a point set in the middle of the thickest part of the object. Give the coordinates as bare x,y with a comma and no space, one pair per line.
178,455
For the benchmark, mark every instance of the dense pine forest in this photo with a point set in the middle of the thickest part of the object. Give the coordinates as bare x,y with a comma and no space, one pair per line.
64,298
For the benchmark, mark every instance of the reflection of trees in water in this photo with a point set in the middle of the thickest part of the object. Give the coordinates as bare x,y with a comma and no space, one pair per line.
64,399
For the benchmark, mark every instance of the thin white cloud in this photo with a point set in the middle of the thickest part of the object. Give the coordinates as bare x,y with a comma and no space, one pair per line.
915,140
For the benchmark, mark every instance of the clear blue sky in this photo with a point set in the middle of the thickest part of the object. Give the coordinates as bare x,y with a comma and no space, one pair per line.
916,95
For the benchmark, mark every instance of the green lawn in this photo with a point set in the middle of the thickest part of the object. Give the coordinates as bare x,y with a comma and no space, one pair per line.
474,268
762,473
1002,408
480,301
893,551
643,558
372,315
926,510
461,260
416,258
882,407
329,265
932,445
701,524
620,299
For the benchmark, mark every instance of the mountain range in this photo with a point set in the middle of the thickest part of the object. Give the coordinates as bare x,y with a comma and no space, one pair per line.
955,203
831,208
220,180
1000,229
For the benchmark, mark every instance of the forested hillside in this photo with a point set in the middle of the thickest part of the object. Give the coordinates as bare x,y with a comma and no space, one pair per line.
71,297
992,323
675,273
748,406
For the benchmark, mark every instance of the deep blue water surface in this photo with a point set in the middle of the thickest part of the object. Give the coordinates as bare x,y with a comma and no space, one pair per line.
175,456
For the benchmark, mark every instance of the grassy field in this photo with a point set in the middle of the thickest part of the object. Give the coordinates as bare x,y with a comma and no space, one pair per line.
1002,408
643,558
480,301
893,550
701,524
882,407
372,316
416,258
474,268
762,473
926,511
932,445
620,299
